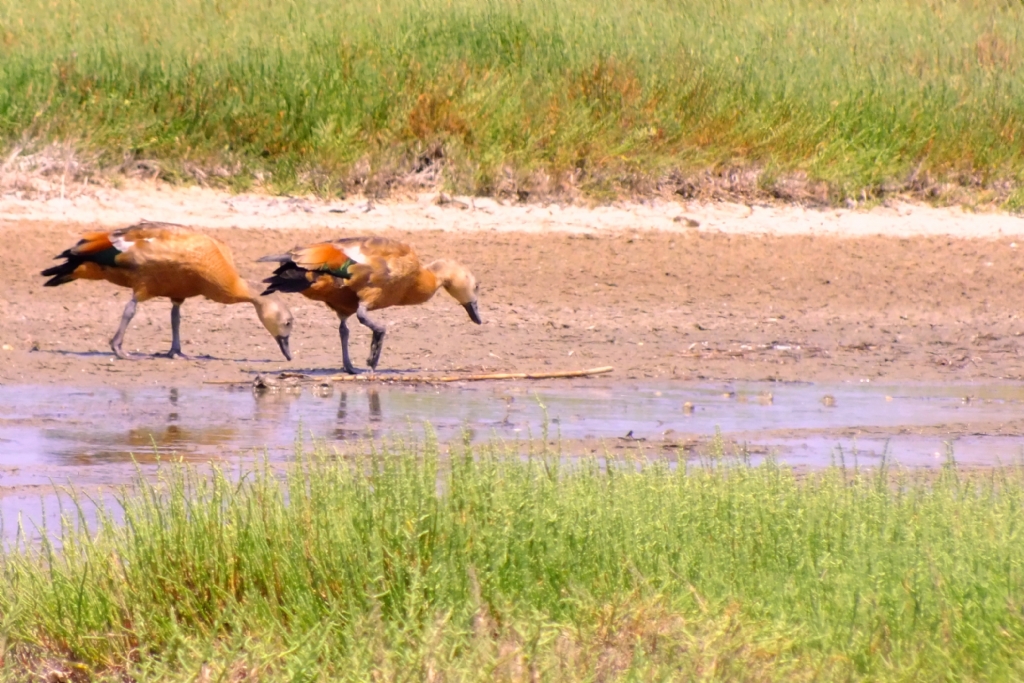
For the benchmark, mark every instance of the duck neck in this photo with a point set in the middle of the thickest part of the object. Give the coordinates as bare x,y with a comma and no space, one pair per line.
243,291
427,283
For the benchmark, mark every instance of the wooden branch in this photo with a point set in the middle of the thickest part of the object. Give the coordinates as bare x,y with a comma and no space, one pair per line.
427,379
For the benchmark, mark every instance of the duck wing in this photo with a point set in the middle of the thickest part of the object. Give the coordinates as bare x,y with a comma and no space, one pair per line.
166,244
105,248
353,262
339,256
303,267
386,260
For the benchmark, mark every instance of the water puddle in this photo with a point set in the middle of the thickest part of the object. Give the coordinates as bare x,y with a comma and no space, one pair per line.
97,436
45,429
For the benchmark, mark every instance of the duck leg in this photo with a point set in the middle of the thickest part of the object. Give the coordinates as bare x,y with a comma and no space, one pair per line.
346,361
126,317
378,336
175,351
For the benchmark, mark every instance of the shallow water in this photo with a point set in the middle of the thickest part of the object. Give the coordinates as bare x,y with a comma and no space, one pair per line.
44,429
96,437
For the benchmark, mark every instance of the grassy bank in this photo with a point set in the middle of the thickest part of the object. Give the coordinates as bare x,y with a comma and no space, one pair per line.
408,566
787,98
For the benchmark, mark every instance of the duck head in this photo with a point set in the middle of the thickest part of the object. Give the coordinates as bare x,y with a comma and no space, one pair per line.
277,318
460,283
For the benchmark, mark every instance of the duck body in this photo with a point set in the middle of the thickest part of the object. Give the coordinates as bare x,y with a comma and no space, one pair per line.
164,260
356,275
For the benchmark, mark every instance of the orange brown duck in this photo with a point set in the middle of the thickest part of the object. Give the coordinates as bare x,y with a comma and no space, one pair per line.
164,260
356,275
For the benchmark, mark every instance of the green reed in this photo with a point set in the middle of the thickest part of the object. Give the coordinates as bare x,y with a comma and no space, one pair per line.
482,564
601,97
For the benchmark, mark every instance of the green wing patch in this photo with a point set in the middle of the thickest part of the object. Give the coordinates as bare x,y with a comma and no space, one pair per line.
342,272
105,257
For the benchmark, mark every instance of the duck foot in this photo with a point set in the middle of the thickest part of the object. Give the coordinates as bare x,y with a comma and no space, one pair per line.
172,354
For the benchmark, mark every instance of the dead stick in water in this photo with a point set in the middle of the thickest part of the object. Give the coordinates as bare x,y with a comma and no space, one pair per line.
284,375
427,379
479,378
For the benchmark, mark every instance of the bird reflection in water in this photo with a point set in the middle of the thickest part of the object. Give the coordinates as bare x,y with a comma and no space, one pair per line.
143,443
375,414
274,401
173,417
357,430
146,444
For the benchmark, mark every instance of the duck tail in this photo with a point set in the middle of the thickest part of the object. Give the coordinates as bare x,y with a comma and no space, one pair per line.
288,278
278,258
94,247
64,272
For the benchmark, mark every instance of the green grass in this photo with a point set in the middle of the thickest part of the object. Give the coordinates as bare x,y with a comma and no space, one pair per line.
800,98
408,565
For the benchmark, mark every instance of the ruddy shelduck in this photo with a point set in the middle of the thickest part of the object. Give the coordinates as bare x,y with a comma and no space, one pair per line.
164,260
361,274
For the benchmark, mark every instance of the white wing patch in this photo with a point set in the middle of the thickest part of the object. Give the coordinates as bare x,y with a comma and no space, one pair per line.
121,244
356,254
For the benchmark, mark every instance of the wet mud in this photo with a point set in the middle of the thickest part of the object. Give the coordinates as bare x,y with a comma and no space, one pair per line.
689,306
810,347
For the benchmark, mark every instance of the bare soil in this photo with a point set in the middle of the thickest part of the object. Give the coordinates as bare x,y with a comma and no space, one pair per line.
698,302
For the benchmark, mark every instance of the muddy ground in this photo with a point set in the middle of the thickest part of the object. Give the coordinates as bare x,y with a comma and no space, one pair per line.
695,304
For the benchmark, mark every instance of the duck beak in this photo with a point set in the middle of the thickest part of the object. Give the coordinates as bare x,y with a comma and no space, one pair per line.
474,314
283,343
